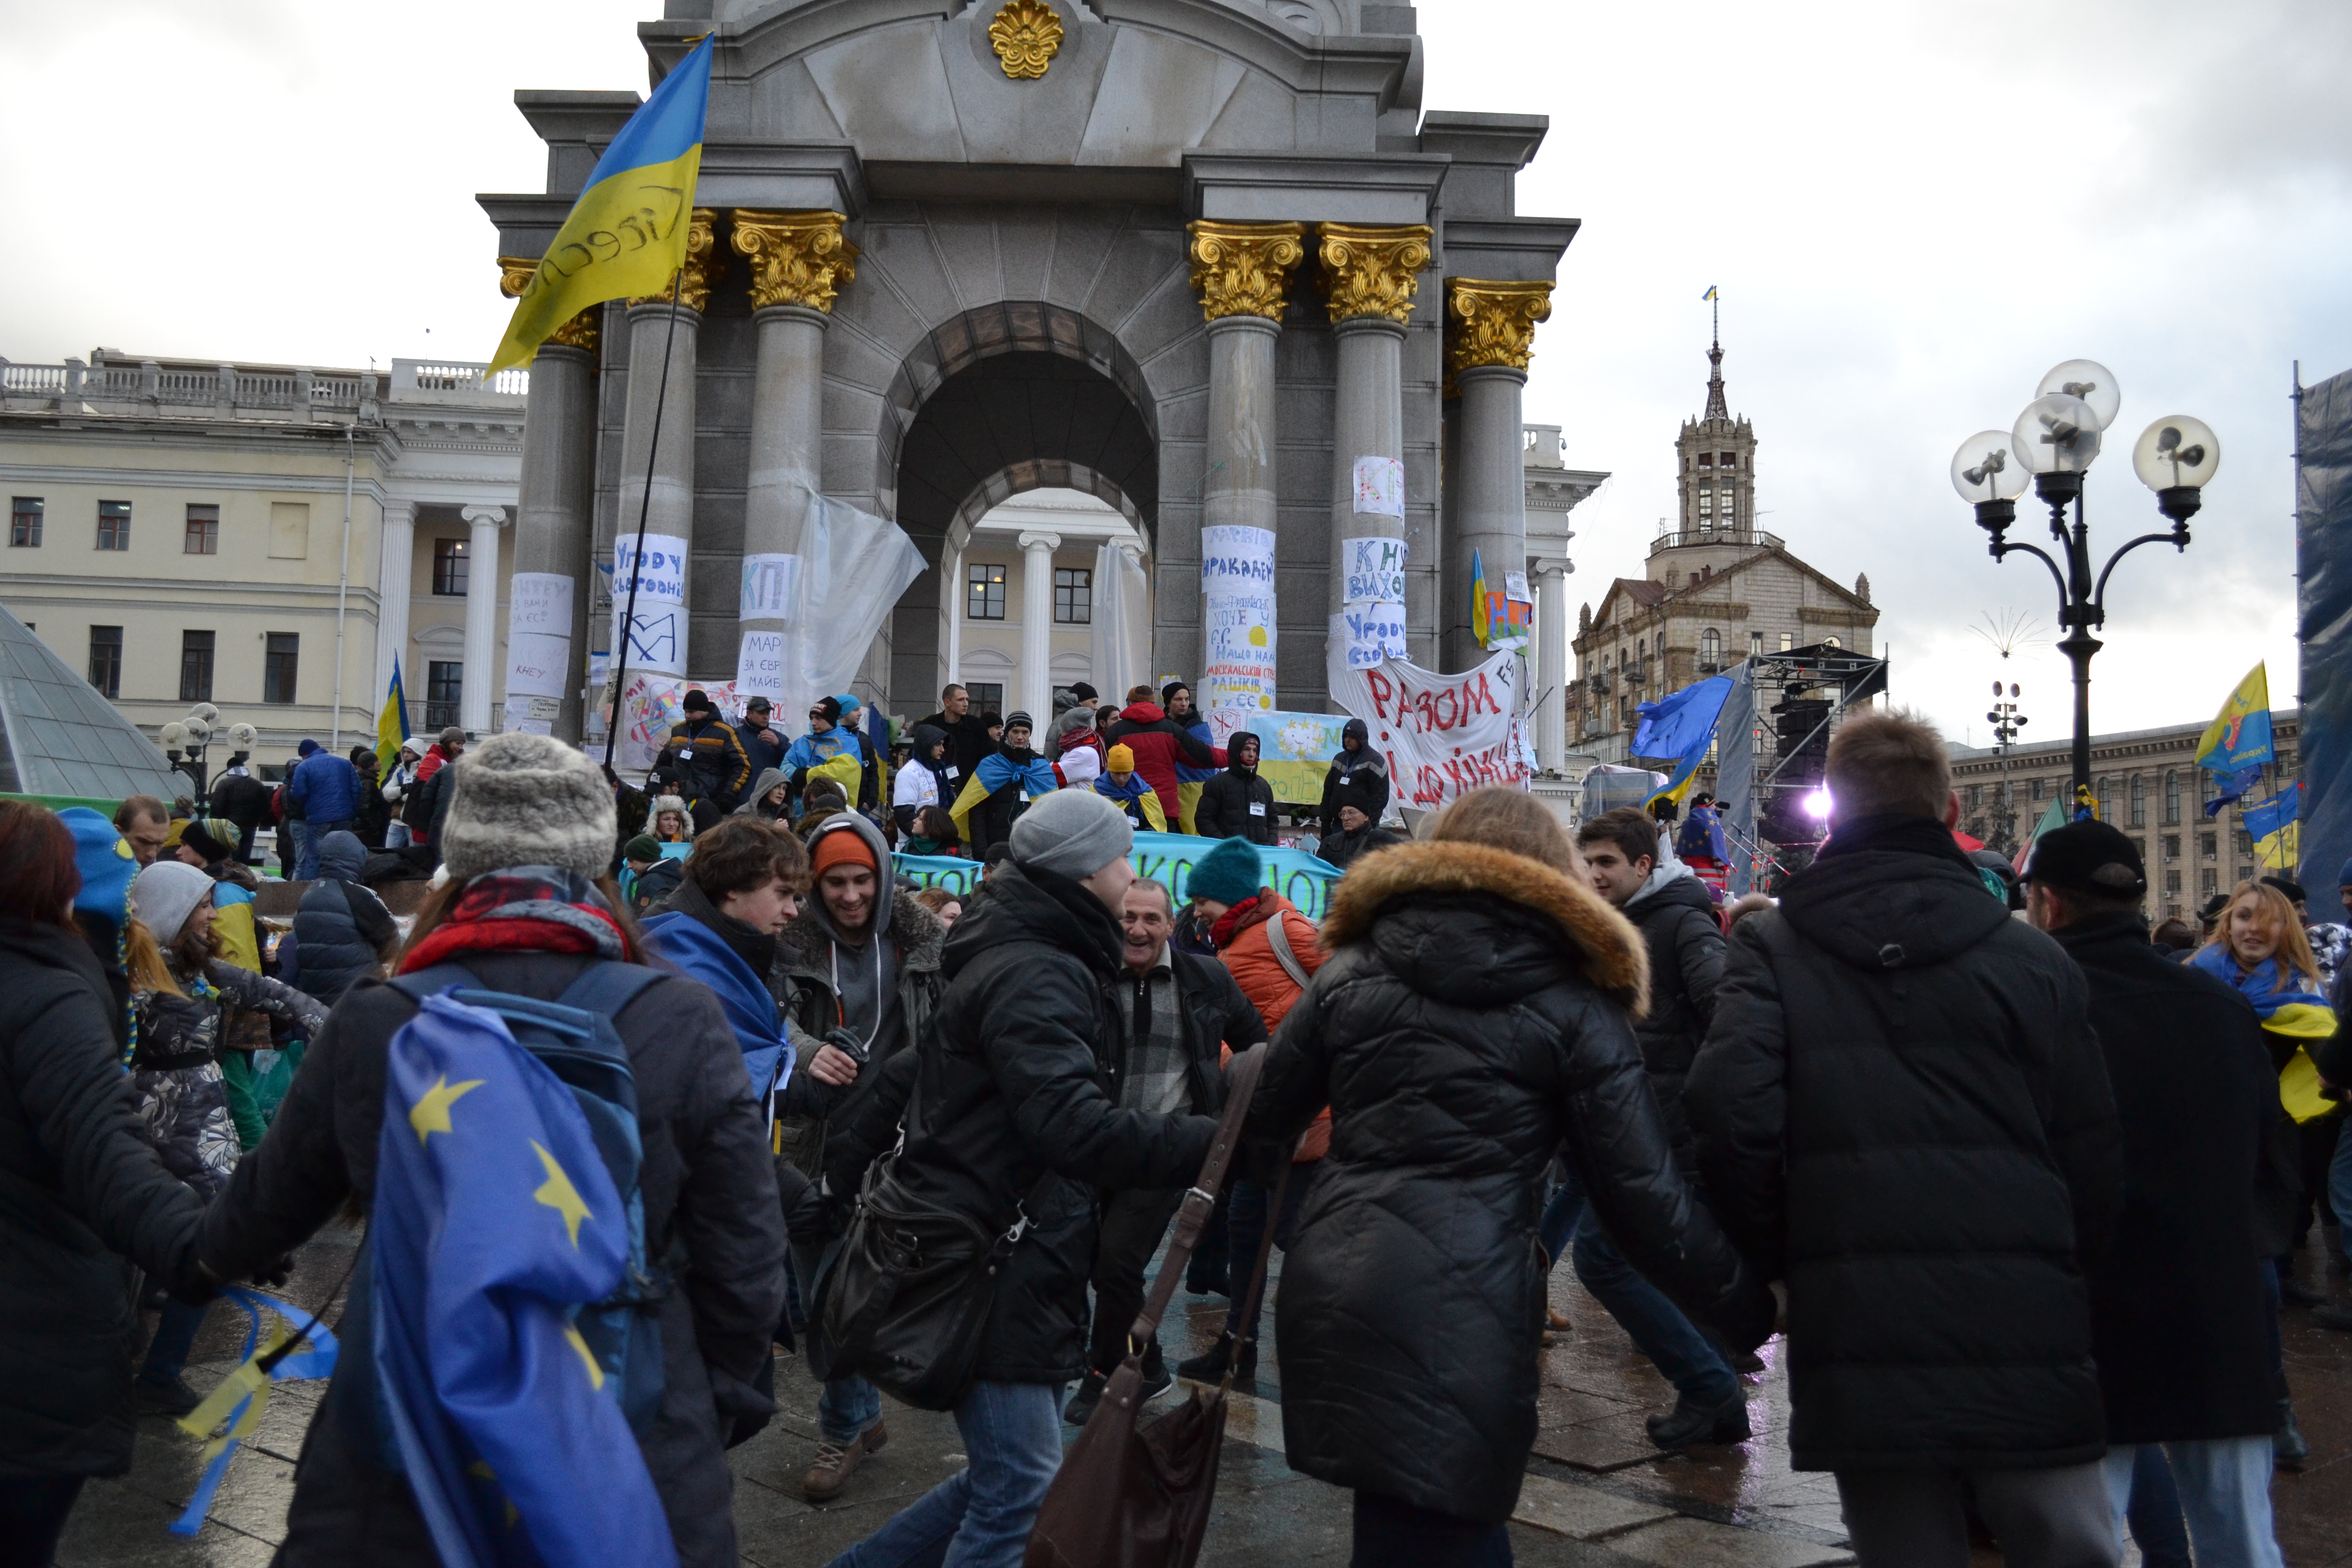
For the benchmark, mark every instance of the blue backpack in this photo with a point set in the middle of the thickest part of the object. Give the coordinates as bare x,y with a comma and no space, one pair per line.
574,1038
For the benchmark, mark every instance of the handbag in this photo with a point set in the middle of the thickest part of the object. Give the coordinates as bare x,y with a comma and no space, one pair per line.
1126,1497
905,1300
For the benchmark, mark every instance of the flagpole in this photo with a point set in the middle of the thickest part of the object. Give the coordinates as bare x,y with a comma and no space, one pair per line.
645,507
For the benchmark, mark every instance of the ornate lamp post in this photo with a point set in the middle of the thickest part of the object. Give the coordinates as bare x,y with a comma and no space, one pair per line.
2007,724
2053,444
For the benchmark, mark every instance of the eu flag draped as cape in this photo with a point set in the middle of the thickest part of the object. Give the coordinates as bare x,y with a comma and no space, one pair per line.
744,996
495,1219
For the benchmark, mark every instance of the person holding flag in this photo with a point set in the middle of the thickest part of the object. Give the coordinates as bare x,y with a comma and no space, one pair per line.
2237,744
1680,729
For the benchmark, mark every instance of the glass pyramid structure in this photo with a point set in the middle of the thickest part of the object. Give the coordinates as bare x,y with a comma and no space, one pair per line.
59,736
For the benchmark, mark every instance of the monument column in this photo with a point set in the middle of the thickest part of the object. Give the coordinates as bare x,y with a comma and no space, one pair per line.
1491,332
1242,272
1551,660
397,561
481,616
800,261
658,643
1037,630
1372,275
547,614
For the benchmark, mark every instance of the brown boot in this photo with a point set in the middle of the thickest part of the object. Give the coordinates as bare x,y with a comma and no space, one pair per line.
835,1463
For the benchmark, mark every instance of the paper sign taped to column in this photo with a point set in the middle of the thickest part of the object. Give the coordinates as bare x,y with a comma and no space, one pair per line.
1374,570
769,580
760,666
1379,487
532,715
1238,617
538,664
540,602
657,639
1373,633
660,575
1234,555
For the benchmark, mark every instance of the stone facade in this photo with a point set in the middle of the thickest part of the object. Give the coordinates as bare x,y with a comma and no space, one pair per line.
1196,261
243,562
2147,783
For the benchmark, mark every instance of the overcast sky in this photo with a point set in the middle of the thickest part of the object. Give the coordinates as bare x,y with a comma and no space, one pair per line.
1912,212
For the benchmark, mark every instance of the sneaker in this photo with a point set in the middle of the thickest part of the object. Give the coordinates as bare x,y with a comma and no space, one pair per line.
2288,1447
836,1462
1210,1366
1090,1394
2333,1317
1157,1381
174,1398
1691,1423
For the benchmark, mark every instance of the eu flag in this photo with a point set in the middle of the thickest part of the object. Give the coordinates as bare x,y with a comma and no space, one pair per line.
495,1219
1681,728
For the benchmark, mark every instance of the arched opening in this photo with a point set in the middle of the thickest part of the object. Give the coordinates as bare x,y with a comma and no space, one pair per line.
1000,401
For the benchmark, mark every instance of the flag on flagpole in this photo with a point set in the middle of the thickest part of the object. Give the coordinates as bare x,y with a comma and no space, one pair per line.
2052,820
2272,827
2240,735
392,724
1681,727
1709,295
1479,619
627,234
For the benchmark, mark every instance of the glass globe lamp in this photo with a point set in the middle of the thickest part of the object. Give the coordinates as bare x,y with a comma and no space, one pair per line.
2174,457
2089,380
1985,470
2057,434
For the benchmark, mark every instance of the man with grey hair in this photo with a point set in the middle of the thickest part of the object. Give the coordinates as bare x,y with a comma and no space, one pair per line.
1904,1118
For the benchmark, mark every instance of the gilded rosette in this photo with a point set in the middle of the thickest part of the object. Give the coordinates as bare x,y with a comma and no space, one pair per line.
1371,271
579,332
1243,268
797,257
1026,36
1493,323
704,265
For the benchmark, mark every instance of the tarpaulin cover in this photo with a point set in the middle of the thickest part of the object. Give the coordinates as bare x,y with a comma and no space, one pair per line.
2323,550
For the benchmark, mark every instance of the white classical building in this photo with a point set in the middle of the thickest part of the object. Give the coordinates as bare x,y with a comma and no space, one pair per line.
266,538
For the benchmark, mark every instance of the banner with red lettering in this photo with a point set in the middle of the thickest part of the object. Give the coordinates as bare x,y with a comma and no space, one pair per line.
1443,734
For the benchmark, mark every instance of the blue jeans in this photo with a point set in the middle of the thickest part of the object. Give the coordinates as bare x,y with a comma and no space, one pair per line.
1564,1208
1245,1233
2225,1497
306,848
2339,1177
1658,1329
296,848
981,1516
2154,1509
175,1331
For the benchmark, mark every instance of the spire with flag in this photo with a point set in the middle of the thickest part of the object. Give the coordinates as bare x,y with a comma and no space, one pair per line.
627,234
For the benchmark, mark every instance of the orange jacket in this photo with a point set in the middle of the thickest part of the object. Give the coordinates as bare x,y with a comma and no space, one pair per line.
1248,953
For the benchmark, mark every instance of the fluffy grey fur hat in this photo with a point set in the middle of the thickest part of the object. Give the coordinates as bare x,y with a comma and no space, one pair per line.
528,800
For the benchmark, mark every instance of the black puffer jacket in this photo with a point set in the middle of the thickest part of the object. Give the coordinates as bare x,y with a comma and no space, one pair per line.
339,927
2178,1318
1015,1100
82,1198
1238,803
708,1184
1471,1018
1901,1110
1678,925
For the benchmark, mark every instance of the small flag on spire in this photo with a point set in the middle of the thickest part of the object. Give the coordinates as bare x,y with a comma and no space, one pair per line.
1709,295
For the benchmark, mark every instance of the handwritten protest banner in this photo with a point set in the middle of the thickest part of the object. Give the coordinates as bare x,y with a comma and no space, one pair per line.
1166,859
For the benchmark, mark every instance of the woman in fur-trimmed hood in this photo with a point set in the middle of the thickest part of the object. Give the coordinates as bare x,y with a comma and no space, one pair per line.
1474,1015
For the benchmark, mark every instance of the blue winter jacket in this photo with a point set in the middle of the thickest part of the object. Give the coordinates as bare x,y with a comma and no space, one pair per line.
327,787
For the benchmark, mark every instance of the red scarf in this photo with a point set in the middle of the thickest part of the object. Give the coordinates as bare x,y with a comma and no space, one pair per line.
1228,926
531,909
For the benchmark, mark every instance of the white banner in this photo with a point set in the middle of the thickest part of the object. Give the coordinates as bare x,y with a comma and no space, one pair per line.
1371,619
540,602
657,628
1443,734
1238,615
539,664
1379,487
770,582
538,646
759,667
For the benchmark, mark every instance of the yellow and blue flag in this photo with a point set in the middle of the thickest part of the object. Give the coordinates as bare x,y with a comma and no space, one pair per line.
2240,735
1680,727
1481,620
627,234
496,1222
1709,297
2272,827
392,724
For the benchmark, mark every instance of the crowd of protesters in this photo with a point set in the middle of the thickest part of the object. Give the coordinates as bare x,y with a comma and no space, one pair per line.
2018,1184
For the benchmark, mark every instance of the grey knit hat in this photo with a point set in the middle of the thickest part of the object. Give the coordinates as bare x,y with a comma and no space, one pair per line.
1074,832
528,800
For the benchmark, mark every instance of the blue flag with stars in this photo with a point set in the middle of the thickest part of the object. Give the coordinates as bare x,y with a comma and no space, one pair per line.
495,1220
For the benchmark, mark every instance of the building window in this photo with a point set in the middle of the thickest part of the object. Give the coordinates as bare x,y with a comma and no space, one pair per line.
1710,647
2172,884
983,594
444,691
986,697
1706,506
2138,801
195,667
25,523
2103,790
204,530
1976,797
449,570
2172,800
2245,848
106,660
1787,642
2172,849
1074,596
277,666
2041,788
1755,642
115,525
1731,459
1706,461
2209,846
2208,882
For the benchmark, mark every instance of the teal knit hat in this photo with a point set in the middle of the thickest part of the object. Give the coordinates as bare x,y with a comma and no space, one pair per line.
1228,873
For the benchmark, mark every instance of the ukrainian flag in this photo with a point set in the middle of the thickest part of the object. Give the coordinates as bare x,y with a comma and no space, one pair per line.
2272,826
1709,295
391,724
1481,620
2240,735
627,234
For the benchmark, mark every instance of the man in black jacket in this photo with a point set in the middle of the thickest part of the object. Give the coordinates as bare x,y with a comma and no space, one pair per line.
967,736
1178,1009
1237,803
2178,1312
1016,1122
1902,1115
704,761
1669,906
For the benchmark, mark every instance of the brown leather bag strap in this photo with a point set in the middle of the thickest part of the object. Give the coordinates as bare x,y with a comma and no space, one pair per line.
1193,1215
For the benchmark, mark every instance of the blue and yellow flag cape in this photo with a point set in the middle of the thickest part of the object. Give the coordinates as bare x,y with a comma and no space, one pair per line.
391,724
2240,735
627,232
1135,792
2288,1006
1681,727
995,770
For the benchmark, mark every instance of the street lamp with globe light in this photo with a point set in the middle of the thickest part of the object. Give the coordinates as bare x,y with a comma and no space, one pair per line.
2052,445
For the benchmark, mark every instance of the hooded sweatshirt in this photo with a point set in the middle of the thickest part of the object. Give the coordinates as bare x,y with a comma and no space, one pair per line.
754,803
865,973
1159,742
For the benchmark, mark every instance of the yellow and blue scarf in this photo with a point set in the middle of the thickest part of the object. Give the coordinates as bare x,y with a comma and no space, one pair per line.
2289,1008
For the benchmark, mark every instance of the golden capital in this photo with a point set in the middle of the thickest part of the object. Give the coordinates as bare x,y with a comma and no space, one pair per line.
797,257
1243,268
1492,323
704,266
515,274
1371,271
1026,36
